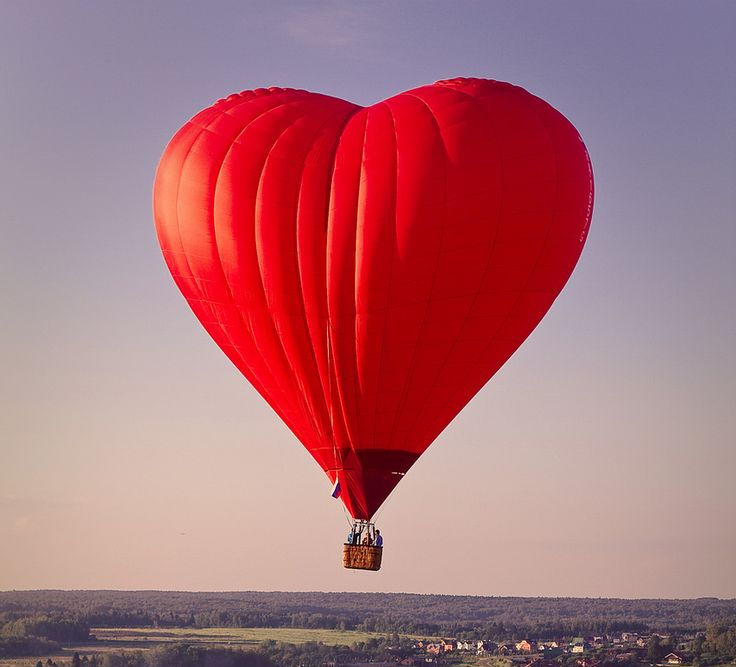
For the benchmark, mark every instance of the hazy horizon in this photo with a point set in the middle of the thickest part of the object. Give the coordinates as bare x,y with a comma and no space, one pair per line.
349,592
599,461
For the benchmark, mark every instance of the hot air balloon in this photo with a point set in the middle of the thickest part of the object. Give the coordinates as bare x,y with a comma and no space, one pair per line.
369,269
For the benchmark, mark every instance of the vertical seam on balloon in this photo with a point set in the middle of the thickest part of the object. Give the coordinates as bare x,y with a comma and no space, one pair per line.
203,129
304,393
338,383
337,465
420,330
298,276
293,377
362,177
390,274
266,394
330,373
441,368
297,253
214,227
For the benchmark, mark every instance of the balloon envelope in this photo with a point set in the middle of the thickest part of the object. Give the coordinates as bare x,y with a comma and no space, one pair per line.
368,269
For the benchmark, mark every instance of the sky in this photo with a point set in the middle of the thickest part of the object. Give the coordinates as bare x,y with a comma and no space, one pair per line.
598,462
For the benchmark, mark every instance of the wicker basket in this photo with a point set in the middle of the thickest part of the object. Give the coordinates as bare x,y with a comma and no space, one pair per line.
361,557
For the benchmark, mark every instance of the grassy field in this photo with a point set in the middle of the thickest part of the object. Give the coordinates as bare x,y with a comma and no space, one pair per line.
220,636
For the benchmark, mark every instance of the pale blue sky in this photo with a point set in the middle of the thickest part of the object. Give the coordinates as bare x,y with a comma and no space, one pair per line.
599,461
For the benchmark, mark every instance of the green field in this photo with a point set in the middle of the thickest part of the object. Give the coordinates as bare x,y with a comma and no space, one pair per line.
228,636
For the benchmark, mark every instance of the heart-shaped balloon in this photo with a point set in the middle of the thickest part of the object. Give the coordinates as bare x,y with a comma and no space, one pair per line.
368,269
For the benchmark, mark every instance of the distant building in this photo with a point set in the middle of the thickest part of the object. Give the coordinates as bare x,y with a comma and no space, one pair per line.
484,647
523,646
579,645
673,659
447,645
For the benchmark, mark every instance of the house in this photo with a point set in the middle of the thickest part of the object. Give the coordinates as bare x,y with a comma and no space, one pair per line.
463,645
447,645
483,647
433,649
506,648
673,659
523,646
579,645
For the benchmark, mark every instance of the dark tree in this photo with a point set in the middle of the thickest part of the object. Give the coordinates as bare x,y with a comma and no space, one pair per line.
655,650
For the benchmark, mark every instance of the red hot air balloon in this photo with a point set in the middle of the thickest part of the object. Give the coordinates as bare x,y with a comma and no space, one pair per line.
369,269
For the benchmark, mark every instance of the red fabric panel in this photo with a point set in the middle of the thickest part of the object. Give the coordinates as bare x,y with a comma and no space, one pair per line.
368,270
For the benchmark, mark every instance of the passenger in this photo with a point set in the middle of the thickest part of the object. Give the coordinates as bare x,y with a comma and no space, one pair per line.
379,539
367,539
351,537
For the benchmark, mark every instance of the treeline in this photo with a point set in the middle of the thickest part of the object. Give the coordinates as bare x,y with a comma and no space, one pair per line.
58,627
11,647
459,616
39,634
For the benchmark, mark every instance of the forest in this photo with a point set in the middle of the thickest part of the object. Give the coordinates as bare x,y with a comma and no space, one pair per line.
490,618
